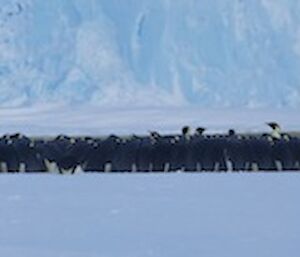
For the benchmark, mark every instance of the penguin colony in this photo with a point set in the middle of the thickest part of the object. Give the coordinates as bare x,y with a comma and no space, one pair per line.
154,153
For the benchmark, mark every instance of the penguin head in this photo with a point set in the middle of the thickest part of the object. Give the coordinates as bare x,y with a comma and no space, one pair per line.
186,130
88,140
273,125
276,131
5,136
231,132
200,131
154,134
16,136
114,138
154,137
62,137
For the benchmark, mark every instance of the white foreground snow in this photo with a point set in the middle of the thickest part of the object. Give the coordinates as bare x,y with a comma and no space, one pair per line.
140,215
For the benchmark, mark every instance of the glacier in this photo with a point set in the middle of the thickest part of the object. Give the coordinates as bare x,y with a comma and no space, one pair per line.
223,53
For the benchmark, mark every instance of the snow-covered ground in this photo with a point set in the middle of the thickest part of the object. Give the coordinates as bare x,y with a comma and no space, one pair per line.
159,215
90,120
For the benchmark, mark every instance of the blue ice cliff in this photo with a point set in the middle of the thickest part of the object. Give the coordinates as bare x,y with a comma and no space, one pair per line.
222,53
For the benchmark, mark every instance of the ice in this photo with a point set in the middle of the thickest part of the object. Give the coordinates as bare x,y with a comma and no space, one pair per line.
158,53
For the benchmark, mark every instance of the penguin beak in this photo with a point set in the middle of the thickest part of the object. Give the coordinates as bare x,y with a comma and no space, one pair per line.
273,125
270,125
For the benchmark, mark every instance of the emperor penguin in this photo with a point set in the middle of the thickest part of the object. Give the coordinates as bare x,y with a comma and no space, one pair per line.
154,137
276,130
231,133
199,131
186,132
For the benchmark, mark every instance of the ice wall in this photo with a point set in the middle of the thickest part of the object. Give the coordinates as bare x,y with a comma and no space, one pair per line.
222,53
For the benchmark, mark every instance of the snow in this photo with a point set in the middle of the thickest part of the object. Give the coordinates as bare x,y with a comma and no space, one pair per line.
161,215
50,120
99,67
226,53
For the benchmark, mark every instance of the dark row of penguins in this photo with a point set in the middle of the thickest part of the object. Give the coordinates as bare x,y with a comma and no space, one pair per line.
186,152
